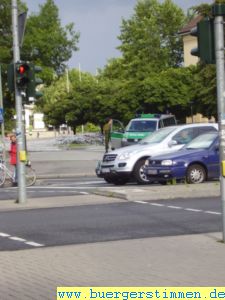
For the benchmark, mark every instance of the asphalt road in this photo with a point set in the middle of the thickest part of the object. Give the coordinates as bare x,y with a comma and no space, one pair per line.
108,222
56,187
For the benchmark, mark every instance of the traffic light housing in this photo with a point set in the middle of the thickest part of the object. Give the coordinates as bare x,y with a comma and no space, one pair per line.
23,74
204,31
22,70
31,93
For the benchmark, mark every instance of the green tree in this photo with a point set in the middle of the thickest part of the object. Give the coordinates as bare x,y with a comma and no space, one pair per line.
170,91
6,57
149,40
48,43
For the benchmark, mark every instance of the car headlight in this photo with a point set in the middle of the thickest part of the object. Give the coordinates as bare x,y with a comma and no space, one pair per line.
167,162
124,139
125,155
147,163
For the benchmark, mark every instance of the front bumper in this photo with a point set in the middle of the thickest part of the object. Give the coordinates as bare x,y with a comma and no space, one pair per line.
112,170
164,173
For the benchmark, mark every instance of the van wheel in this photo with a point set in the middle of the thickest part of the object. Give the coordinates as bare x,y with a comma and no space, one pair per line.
139,174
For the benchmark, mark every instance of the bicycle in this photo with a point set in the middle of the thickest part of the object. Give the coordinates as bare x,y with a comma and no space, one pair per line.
30,175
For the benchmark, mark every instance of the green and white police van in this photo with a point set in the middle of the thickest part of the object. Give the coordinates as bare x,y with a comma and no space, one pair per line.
138,128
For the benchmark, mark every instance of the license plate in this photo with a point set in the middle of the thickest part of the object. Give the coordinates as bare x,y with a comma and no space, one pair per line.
105,170
152,172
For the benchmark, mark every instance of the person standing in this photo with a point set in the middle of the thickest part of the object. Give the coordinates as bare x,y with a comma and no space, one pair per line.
107,131
13,158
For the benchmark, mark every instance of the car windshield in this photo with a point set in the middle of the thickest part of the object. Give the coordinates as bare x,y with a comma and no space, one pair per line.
203,141
142,126
157,136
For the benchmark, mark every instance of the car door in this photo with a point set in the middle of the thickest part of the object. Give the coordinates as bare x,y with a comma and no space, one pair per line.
213,161
116,135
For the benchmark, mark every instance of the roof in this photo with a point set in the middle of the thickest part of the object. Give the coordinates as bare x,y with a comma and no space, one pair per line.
187,28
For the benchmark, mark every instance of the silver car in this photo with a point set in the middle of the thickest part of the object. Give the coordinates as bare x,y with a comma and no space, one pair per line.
121,165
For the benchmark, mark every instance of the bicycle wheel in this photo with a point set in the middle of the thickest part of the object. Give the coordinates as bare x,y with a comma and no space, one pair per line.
2,175
30,176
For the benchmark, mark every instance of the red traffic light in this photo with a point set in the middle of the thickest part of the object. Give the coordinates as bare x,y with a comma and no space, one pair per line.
22,69
22,74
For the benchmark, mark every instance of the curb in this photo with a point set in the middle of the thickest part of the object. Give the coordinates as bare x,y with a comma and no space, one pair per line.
154,193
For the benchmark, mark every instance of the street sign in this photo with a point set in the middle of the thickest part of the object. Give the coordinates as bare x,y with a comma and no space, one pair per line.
1,116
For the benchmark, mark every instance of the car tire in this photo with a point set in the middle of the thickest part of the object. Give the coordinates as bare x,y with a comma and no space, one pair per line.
196,174
138,173
108,179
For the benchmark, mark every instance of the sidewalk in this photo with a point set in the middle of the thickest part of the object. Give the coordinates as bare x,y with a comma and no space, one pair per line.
187,260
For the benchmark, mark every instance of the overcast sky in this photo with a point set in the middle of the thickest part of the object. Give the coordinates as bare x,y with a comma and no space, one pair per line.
98,22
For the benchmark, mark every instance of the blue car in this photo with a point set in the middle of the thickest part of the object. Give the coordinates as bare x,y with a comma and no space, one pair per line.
195,163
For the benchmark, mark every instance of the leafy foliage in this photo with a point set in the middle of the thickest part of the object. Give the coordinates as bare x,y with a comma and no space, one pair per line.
47,42
149,38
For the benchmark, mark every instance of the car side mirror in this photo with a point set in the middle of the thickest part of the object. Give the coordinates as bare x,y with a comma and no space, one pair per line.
172,143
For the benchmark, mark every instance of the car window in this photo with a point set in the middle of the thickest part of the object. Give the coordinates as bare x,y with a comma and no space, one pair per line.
158,136
117,126
184,136
203,141
205,129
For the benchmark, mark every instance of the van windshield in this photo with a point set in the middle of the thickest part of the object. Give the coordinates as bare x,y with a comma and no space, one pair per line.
142,126
158,136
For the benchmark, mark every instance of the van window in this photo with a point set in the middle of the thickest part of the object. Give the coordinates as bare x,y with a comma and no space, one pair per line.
169,121
142,126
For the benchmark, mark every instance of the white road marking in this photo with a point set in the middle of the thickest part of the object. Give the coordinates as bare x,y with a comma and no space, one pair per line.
4,234
212,212
15,238
194,210
34,244
174,207
179,207
18,239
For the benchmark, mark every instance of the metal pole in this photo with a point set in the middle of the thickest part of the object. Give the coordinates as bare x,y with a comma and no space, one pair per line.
19,120
2,124
219,48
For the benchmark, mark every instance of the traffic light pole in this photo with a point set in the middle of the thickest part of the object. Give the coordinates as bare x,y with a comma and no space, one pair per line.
220,74
21,197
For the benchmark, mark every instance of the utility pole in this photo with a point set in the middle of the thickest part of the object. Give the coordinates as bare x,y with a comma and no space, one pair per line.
219,12
21,197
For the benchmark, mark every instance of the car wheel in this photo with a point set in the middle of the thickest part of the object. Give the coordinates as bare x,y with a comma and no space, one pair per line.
139,174
196,174
108,179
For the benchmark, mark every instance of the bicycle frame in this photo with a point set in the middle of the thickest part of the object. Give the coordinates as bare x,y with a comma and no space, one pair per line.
5,172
